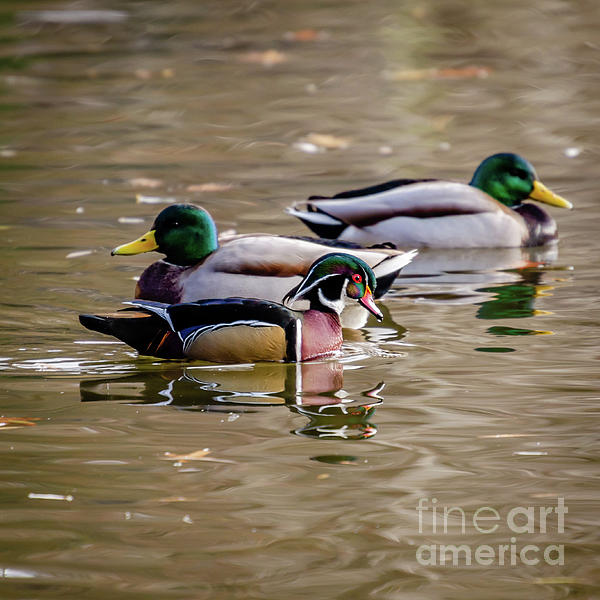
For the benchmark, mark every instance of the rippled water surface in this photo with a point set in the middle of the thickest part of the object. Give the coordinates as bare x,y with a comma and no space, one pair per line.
130,478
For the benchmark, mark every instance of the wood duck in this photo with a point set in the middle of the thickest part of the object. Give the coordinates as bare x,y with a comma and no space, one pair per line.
486,213
251,266
248,329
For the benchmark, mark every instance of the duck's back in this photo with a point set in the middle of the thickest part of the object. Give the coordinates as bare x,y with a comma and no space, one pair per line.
438,214
261,266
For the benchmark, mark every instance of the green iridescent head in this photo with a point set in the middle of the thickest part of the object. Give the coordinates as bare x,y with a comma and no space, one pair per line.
510,179
334,276
185,233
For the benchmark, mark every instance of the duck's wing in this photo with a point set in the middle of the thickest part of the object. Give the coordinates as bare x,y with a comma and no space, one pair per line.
222,330
420,200
284,260
235,330
372,189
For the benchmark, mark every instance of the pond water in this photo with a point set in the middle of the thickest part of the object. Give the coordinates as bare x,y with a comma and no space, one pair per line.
130,478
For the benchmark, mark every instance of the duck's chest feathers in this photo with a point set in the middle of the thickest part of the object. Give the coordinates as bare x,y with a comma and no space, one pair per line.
161,282
541,226
321,334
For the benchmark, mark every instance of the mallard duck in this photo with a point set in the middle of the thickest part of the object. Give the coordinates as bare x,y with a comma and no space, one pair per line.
247,329
261,266
486,213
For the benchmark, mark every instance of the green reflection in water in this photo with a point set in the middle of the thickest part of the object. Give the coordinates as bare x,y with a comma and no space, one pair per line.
500,331
495,349
513,301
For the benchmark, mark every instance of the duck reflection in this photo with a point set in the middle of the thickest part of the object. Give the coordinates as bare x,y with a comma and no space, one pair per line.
312,389
504,283
515,301
474,265
459,273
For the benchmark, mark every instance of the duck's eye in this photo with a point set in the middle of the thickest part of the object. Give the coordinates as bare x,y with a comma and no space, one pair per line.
357,278
518,173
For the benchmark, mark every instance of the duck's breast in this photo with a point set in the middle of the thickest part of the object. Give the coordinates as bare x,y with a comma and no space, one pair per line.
541,226
161,282
321,334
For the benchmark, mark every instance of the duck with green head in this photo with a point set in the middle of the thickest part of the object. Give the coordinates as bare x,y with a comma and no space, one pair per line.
488,212
197,265
233,330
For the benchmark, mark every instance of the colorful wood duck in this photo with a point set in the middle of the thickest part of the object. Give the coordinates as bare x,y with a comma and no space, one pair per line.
247,329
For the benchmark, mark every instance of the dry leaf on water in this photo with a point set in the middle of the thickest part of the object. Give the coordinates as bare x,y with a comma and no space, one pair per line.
146,182
141,199
209,187
468,72
196,455
304,35
327,141
268,58
14,422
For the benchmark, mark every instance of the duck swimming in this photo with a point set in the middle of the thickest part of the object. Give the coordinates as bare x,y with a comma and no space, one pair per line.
486,213
246,329
264,266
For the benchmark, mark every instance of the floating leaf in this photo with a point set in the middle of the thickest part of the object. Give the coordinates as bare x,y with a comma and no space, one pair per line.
14,422
78,16
130,220
79,253
34,496
209,187
141,199
268,58
196,455
327,141
146,182
304,35
468,72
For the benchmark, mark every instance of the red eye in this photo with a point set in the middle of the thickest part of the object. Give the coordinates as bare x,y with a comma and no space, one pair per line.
357,278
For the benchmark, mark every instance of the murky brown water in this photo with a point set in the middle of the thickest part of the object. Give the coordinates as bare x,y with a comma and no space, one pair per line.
314,494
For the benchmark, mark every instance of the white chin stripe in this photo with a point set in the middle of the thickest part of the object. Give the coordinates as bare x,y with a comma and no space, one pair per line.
336,305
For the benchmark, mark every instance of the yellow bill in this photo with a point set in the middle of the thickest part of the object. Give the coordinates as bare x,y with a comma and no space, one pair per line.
146,243
542,194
